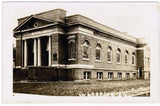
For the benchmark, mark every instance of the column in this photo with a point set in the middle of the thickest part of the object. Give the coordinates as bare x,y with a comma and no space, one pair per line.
49,52
39,52
86,75
22,53
35,52
25,53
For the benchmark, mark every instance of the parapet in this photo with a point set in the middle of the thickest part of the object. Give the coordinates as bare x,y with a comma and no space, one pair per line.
141,42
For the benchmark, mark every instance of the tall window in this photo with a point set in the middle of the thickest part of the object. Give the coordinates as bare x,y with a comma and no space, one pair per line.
71,50
71,47
118,56
109,54
99,75
87,75
126,57
133,58
86,49
98,52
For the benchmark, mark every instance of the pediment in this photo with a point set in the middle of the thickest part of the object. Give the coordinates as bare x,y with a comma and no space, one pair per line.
32,22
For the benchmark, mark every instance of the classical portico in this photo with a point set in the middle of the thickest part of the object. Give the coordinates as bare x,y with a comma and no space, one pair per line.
37,51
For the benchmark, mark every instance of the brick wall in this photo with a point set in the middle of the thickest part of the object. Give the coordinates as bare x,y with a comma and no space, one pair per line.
62,49
103,63
140,58
54,49
18,52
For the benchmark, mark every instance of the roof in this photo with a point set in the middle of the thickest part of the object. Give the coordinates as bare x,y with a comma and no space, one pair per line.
80,19
77,19
30,17
20,20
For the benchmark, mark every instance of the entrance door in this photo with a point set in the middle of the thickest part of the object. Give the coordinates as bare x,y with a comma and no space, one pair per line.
30,52
140,72
44,51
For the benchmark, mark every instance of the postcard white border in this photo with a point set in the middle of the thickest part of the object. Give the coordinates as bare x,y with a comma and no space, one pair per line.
7,95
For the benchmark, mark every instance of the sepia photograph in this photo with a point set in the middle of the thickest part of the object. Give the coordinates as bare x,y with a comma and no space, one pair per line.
81,49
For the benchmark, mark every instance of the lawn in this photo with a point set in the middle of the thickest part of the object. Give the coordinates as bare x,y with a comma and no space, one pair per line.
74,88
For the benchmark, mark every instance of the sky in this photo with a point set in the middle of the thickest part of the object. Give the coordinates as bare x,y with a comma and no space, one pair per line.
138,19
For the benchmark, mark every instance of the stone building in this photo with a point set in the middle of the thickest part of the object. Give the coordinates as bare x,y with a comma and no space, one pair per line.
53,46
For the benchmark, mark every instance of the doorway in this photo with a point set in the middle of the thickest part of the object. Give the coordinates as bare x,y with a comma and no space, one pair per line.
44,51
140,72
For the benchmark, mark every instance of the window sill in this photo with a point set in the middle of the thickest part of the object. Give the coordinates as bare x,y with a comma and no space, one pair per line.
109,62
110,78
118,62
133,65
126,64
98,60
99,79
71,59
87,59
87,79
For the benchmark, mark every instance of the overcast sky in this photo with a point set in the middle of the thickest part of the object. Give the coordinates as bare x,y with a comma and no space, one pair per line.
137,19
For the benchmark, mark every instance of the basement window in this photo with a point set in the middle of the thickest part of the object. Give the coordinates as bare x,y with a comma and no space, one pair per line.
127,76
99,75
110,75
134,75
87,75
119,75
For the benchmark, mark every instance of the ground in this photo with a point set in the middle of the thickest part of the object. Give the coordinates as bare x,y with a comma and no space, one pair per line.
77,88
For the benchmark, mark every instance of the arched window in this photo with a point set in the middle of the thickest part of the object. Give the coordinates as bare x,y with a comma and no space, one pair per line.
133,58
71,50
98,52
86,49
109,54
118,56
126,57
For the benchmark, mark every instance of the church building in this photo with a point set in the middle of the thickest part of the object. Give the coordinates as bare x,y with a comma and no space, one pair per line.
53,46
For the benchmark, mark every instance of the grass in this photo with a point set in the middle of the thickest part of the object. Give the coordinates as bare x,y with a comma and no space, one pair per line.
73,88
